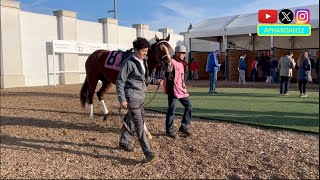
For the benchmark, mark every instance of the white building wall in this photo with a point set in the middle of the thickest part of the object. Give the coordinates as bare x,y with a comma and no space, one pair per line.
126,36
88,32
176,40
37,33
152,38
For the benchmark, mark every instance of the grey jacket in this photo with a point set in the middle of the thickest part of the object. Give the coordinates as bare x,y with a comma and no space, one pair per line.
132,82
285,66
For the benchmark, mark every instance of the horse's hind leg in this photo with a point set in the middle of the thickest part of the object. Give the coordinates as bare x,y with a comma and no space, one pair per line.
92,88
106,85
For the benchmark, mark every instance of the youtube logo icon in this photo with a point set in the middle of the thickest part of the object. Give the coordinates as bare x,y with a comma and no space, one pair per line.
268,16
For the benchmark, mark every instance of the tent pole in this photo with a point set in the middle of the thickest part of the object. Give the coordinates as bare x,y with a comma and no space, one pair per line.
226,70
189,58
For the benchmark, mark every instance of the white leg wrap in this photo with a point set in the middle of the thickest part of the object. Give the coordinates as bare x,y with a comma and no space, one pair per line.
91,118
104,107
149,136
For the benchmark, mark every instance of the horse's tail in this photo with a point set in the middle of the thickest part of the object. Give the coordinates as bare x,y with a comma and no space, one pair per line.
84,93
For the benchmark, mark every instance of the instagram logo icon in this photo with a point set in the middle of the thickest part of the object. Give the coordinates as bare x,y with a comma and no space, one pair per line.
302,16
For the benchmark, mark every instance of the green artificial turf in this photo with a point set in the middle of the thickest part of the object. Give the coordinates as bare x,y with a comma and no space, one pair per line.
261,107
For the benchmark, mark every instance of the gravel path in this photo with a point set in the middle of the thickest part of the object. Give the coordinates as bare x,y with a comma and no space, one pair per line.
45,134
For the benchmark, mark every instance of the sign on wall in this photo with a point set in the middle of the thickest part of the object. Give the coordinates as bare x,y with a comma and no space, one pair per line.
76,47
312,52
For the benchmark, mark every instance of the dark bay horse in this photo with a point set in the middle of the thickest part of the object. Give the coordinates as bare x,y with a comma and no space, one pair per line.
99,67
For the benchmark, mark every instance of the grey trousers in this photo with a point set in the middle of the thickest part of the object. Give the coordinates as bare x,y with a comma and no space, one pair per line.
135,120
242,76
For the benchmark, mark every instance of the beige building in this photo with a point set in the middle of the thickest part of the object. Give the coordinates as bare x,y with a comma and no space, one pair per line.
27,58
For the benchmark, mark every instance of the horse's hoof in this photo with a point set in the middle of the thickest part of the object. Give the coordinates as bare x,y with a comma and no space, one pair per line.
91,119
105,117
149,136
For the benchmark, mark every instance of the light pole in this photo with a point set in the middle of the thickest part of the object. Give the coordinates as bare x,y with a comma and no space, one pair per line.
114,10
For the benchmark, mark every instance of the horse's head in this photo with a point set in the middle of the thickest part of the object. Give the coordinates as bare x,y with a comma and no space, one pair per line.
159,55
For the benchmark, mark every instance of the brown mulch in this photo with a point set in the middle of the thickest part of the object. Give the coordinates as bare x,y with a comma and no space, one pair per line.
45,134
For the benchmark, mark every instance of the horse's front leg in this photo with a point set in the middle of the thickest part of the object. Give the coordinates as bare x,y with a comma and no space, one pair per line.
91,117
149,136
106,85
104,109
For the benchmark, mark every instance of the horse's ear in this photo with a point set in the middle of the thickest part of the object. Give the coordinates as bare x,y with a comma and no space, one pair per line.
157,39
168,38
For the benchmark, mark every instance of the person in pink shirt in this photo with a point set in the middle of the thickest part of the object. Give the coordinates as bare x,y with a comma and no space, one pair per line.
175,88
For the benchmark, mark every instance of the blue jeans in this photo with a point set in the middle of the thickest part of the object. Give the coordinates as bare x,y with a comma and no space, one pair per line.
253,75
213,79
274,76
172,102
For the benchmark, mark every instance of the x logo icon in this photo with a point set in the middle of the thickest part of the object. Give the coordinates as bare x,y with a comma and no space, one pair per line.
286,16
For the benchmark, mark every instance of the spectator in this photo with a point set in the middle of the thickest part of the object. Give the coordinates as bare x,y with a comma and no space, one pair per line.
212,68
317,70
285,66
312,67
265,66
274,70
304,68
223,68
254,70
194,69
242,69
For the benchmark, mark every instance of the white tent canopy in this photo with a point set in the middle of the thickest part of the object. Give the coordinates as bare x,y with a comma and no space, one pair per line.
241,24
211,27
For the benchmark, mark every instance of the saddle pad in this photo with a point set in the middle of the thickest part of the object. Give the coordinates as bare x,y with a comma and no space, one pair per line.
114,60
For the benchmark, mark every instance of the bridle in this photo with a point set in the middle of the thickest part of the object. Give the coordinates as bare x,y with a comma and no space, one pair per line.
157,46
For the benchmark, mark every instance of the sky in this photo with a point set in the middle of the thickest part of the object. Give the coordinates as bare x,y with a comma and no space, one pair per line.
158,14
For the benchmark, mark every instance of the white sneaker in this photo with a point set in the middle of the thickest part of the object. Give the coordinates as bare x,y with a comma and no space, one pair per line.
304,95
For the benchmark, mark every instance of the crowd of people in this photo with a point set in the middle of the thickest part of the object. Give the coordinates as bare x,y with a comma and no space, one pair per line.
274,71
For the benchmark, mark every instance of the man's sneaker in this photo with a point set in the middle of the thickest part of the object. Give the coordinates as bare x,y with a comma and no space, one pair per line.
185,131
286,94
126,147
171,135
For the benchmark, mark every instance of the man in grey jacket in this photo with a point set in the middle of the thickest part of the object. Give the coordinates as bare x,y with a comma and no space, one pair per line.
285,66
131,88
